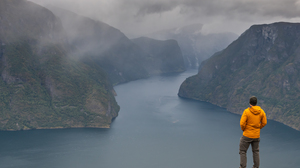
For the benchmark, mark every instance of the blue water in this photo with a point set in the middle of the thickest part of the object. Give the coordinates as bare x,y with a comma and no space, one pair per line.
155,129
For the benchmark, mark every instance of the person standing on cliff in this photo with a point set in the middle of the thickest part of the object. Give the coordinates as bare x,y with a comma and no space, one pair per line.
252,121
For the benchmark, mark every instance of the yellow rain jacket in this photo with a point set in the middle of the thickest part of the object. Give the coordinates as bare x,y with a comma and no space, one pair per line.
253,119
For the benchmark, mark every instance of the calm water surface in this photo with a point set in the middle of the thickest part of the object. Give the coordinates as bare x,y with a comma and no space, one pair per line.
155,129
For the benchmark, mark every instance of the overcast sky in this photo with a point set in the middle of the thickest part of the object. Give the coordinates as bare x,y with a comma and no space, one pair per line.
138,17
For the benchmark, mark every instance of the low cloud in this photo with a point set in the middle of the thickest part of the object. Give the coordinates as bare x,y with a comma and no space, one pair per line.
138,17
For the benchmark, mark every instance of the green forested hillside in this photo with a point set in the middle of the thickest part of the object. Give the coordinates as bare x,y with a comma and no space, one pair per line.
41,86
264,62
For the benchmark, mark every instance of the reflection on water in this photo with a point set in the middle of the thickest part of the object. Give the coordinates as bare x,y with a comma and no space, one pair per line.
155,129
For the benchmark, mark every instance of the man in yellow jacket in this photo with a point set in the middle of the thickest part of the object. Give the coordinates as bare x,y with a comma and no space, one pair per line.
253,119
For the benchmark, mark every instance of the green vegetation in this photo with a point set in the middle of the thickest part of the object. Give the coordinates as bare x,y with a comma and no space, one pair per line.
41,85
263,62
56,93
52,78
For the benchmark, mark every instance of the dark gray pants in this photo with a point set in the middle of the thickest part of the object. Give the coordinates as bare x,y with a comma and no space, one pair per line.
244,145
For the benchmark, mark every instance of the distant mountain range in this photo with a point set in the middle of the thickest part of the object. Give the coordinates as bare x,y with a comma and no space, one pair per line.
166,55
196,46
264,62
108,47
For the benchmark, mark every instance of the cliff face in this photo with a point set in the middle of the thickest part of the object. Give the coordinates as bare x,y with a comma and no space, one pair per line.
165,55
264,62
41,87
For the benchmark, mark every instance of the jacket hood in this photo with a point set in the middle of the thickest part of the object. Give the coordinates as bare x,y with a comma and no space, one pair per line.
255,110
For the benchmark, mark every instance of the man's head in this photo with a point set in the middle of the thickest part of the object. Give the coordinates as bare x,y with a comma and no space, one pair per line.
253,101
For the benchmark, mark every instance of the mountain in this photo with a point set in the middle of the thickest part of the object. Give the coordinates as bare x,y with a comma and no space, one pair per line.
108,47
166,55
264,62
196,46
104,45
41,85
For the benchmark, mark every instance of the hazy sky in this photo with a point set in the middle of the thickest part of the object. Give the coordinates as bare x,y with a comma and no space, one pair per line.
138,17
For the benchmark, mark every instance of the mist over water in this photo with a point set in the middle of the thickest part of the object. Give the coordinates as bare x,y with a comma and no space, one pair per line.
155,129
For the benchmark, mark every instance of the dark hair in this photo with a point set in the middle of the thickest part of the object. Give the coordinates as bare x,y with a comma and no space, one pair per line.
253,100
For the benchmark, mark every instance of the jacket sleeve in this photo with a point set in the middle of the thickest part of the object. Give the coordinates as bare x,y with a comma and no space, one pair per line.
243,120
263,120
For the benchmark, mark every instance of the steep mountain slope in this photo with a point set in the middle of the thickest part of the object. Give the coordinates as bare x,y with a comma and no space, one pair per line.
265,62
166,55
40,86
104,45
195,45
108,47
